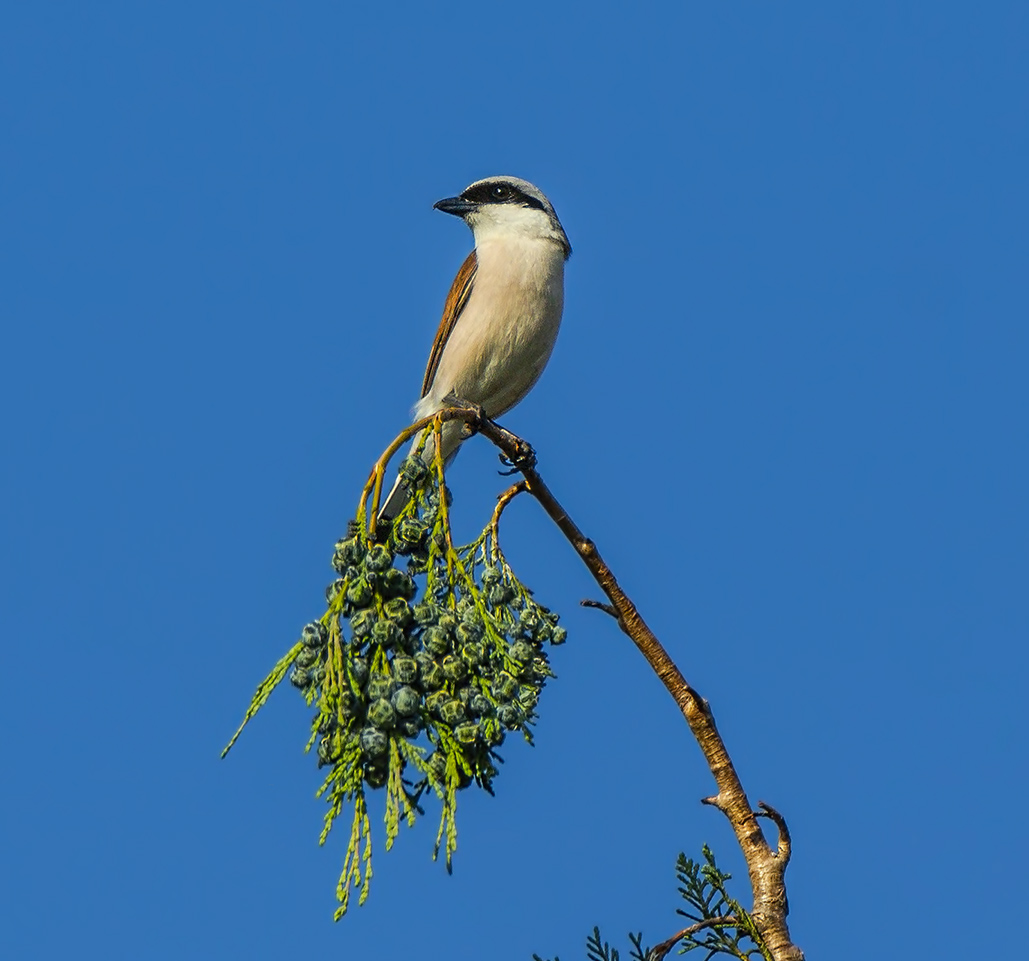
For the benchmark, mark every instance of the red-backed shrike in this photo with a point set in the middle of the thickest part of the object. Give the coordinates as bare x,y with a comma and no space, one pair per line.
503,311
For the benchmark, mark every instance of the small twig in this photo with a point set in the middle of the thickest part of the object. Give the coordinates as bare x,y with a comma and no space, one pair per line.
600,606
494,524
502,501
659,951
715,801
437,429
785,846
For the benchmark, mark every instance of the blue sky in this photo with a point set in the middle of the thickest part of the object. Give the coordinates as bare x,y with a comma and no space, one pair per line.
788,402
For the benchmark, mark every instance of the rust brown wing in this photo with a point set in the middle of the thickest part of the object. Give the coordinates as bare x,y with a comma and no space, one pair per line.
456,300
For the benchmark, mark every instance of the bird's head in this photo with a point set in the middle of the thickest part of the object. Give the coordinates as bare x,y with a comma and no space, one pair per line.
507,205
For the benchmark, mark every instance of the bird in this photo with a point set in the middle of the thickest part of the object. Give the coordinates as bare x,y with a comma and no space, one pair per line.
501,317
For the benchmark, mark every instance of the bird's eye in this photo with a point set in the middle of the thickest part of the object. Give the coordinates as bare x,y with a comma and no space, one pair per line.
501,192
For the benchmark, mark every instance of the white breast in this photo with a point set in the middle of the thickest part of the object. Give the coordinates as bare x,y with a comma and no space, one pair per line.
506,332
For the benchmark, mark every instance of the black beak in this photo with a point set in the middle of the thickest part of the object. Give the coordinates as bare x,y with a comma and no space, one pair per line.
455,206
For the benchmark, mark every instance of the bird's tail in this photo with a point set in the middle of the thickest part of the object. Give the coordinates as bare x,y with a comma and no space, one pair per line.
395,500
400,493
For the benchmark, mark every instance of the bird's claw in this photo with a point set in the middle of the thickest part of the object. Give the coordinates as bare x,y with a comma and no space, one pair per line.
473,423
524,459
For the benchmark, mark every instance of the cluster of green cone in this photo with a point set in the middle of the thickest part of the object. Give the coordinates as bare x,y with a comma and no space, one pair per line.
468,663
417,672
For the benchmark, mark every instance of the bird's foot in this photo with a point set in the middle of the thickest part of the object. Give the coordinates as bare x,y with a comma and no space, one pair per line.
523,458
473,423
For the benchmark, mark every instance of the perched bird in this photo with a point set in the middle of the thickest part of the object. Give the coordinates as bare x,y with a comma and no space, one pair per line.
501,317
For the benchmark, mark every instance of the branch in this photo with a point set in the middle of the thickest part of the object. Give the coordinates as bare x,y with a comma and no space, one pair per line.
785,843
502,501
658,952
765,866
600,606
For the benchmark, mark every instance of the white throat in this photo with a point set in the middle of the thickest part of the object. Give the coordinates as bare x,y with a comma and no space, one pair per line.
507,222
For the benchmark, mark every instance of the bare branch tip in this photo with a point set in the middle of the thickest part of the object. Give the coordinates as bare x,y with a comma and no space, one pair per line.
518,487
767,811
660,951
600,606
